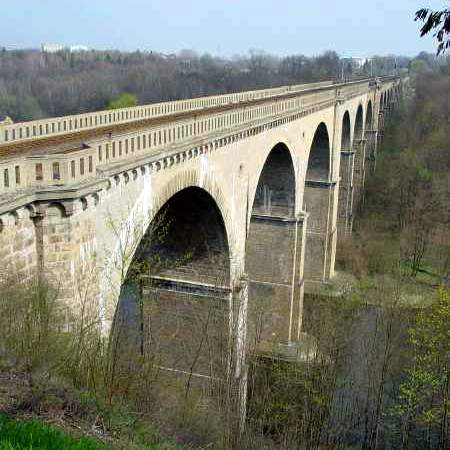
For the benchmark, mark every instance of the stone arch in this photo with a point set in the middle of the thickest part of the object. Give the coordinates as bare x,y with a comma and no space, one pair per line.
275,191
359,124
318,201
188,230
369,116
131,226
181,271
346,138
55,209
271,249
192,178
319,160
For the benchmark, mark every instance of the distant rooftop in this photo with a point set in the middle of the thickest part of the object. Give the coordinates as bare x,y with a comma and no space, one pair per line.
54,48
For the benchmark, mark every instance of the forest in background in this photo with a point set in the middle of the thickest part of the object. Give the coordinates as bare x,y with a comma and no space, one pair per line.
403,223
35,84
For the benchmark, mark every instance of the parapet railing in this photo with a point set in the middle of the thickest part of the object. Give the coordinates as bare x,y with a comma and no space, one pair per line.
78,164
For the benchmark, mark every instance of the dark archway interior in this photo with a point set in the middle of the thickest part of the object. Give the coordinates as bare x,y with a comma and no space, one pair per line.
359,123
187,240
346,133
319,156
369,116
275,194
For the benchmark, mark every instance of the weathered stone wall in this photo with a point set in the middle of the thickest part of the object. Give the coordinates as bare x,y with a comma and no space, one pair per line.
275,251
187,332
18,246
345,210
320,204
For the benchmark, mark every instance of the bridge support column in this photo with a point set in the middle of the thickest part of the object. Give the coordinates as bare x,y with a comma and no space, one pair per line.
196,333
186,327
275,255
65,256
381,119
371,150
321,234
345,213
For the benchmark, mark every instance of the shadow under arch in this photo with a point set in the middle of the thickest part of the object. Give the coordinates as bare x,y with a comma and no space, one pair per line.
346,133
177,289
369,116
275,192
359,124
319,161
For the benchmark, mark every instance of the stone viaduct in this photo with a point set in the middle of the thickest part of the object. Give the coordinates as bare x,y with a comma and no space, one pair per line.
219,212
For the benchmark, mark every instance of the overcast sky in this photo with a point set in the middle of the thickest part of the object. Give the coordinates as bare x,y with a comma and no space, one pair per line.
221,27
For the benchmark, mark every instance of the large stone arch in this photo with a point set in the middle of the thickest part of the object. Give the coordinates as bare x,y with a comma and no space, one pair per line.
131,225
346,176
370,137
319,203
188,230
319,155
258,163
359,123
359,157
178,284
276,189
369,116
346,133
271,250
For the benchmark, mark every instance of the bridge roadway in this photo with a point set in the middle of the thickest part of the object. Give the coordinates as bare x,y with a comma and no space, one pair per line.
219,211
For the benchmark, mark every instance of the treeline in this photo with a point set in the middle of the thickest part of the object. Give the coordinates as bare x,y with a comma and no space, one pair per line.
34,84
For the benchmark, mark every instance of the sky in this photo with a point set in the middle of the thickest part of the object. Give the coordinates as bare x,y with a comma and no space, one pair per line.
220,27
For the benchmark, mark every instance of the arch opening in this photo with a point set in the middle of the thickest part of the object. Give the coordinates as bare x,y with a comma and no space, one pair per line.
359,124
346,133
187,240
275,193
318,200
319,155
369,116
174,304
271,246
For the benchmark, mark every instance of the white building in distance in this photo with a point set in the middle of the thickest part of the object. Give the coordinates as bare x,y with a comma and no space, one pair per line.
55,48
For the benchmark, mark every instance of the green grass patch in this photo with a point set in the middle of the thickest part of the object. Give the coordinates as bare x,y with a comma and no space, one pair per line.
33,435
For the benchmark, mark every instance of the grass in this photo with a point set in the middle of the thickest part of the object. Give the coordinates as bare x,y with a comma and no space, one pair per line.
33,435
